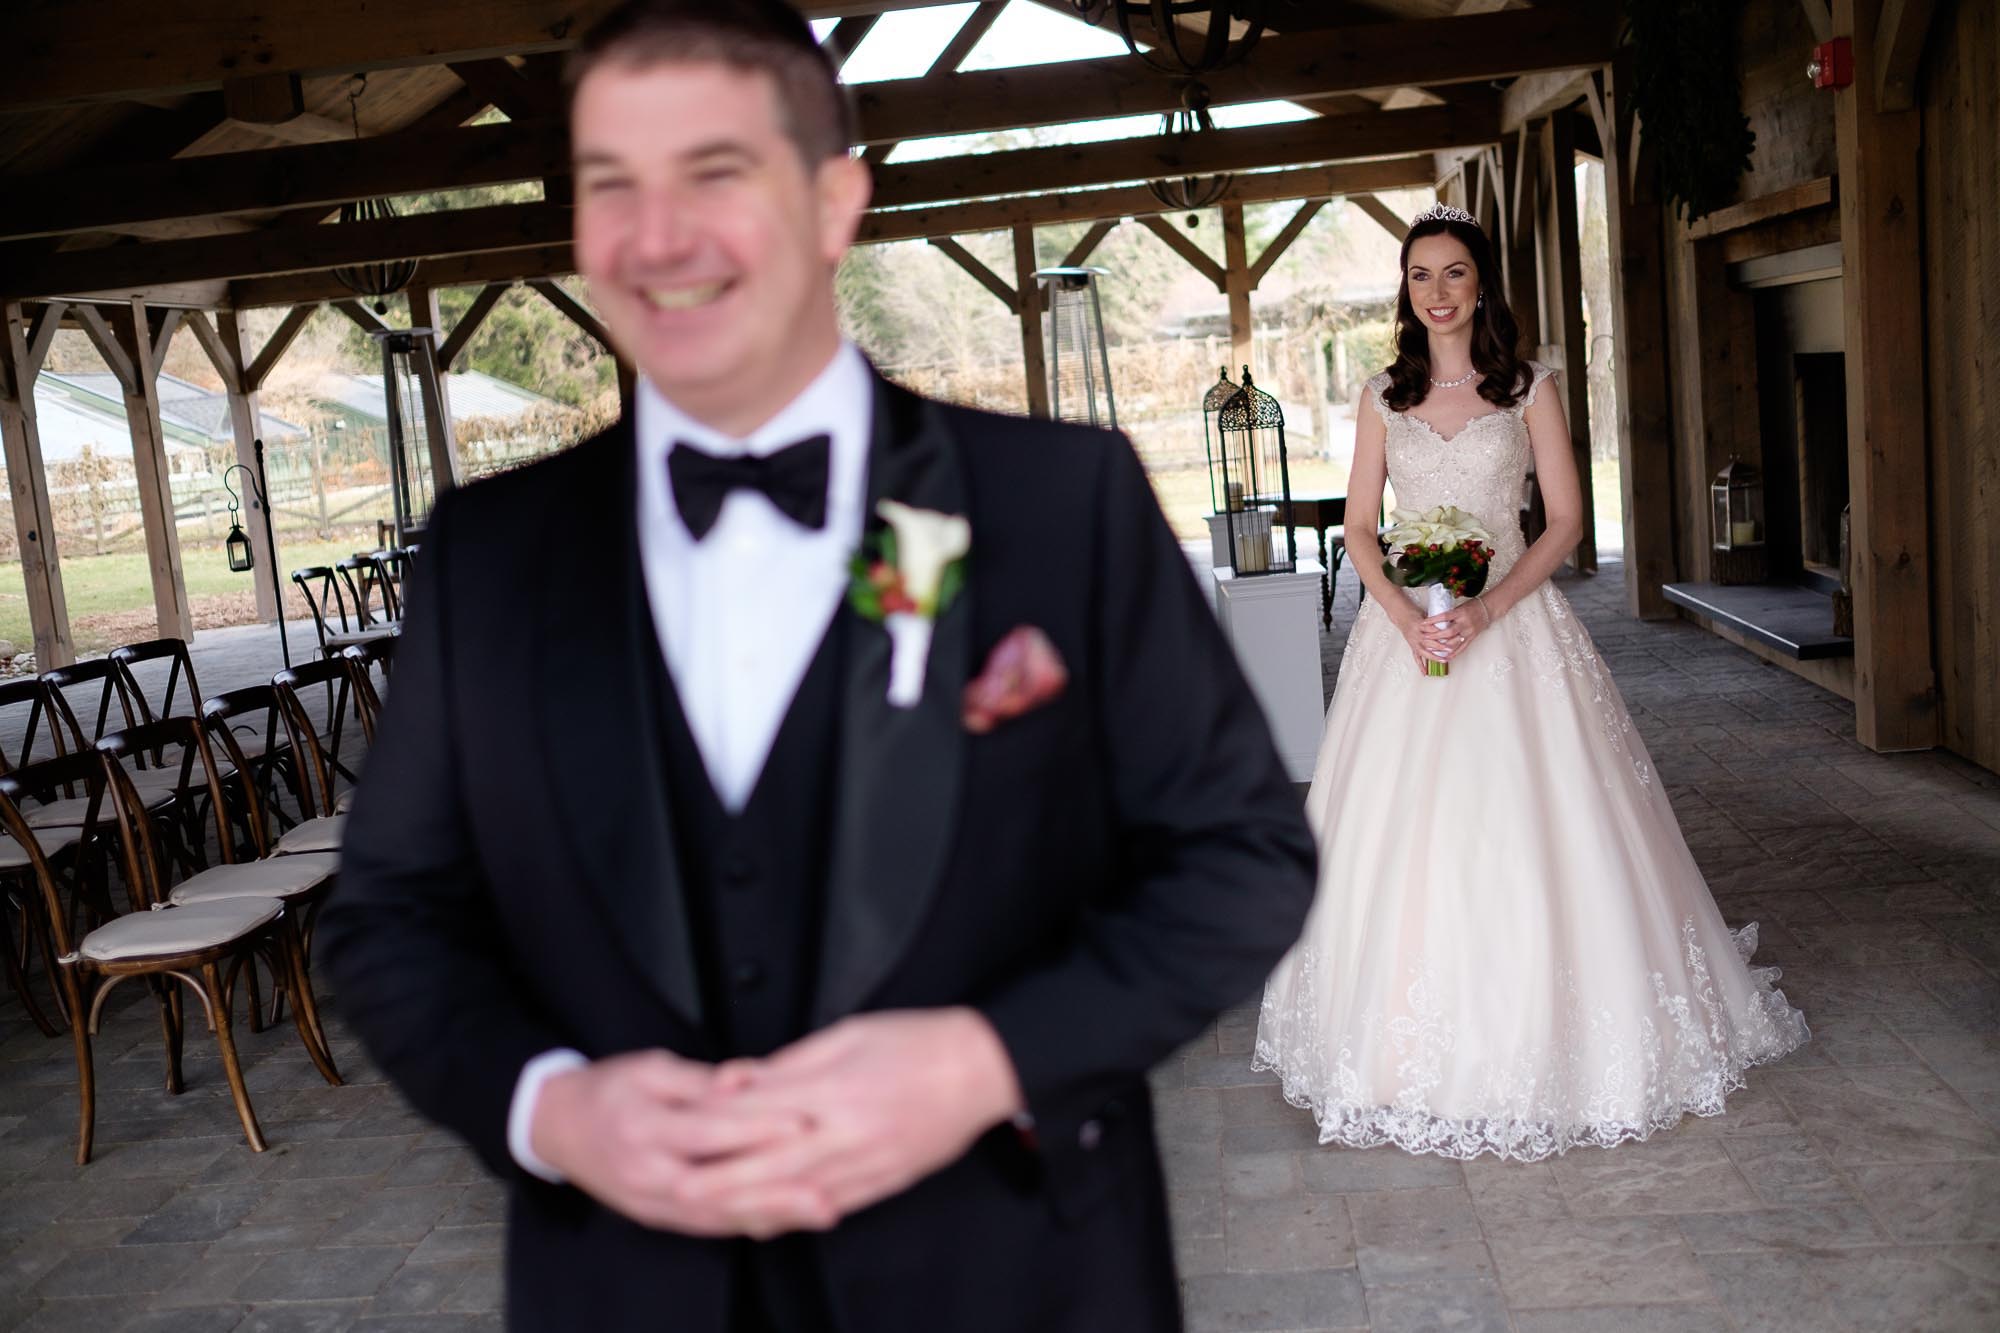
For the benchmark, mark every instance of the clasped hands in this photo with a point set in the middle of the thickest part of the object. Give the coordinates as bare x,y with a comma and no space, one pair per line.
1441,637
792,1142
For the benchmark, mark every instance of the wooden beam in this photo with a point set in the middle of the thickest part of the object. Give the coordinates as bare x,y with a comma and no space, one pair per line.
846,35
1034,350
42,328
1562,307
1895,684
1283,240
164,325
1353,58
1236,285
579,314
1087,245
1635,237
116,357
1820,192
361,316
1819,18
225,346
173,615
969,33
28,486
1385,216
1899,47
1138,201
440,439
1794,231
260,366
514,265
988,279
284,250
1069,166
1535,96
263,99
1183,245
321,176
521,98
453,346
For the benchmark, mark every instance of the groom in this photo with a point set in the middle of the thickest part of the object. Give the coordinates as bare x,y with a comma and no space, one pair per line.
782,1004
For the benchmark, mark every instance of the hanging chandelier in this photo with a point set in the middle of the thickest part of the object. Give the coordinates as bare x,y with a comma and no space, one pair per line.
374,281
1189,193
1180,45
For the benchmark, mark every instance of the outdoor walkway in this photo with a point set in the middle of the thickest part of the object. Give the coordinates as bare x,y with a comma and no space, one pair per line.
1857,1186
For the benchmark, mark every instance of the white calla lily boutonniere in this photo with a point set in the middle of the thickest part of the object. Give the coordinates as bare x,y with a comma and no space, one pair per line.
903,578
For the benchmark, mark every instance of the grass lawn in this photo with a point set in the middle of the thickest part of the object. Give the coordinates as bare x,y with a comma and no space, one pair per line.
110,594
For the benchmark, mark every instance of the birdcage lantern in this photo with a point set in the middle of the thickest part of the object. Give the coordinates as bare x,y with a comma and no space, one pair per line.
1255,477
1079,360
1212,402
1737,497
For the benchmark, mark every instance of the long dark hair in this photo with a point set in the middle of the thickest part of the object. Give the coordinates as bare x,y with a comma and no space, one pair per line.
1494,332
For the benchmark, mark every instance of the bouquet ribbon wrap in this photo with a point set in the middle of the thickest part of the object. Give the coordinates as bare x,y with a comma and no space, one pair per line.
1437,601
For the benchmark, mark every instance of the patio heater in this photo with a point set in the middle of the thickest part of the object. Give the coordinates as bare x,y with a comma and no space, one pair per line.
1255,479
410,400
1079,362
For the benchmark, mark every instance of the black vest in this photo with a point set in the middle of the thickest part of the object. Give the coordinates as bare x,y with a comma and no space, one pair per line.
755,884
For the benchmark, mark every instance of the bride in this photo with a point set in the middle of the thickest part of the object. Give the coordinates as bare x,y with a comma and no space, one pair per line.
1512,951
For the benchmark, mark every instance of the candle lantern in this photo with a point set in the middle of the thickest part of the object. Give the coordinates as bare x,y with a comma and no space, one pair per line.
1256,480
1738,524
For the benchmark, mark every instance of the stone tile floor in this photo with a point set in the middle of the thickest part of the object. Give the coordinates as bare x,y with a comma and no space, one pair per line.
1857,1186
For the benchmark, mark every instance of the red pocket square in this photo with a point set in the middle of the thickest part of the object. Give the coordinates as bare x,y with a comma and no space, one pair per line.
1023,672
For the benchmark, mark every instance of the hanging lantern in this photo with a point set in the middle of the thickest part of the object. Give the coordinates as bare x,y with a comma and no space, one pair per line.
374,281
1737,521
237,544
1256,481
1178,42
1188,193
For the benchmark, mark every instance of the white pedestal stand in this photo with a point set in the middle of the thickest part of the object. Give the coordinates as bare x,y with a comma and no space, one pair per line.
1272,621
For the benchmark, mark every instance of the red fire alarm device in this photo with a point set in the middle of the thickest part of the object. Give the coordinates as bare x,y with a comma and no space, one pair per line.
1832,64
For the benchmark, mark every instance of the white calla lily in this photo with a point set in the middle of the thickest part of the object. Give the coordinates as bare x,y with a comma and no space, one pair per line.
926,544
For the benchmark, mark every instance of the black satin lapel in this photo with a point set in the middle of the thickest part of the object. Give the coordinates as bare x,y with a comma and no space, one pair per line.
901,770
598,726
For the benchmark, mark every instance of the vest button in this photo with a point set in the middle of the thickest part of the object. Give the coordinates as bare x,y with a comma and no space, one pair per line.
747,974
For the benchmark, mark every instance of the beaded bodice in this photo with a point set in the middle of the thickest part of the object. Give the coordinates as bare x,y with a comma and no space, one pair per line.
1483,469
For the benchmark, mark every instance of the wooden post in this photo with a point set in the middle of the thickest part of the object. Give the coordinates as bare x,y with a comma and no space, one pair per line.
1518,193
1237,283
434,392
1881,244
133,330
27,480
245,418
1634,222
1028,298
1564,346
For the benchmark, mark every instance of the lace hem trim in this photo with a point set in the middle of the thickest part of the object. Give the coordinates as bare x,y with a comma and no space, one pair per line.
1414,1129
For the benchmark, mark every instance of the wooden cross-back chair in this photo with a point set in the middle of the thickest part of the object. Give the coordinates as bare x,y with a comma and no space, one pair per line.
99,947
301,882
318,745
335,602
317,829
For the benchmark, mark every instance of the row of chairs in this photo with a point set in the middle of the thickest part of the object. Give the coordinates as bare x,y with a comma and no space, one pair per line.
142,802
357,600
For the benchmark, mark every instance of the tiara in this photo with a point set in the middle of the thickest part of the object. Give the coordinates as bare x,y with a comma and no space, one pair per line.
1444,213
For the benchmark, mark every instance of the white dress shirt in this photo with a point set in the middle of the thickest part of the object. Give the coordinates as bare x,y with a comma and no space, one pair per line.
740,613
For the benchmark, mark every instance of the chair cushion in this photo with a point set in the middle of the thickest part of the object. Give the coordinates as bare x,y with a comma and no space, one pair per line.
178,930
276,877
315,835
13,856
65,812
343,801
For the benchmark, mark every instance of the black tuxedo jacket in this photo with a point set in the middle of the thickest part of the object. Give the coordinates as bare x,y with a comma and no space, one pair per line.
1100,877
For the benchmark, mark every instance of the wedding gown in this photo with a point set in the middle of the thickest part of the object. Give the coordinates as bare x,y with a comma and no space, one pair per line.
1512,951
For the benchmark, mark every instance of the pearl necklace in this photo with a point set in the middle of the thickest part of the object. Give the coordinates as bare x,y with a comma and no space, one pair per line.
1466,378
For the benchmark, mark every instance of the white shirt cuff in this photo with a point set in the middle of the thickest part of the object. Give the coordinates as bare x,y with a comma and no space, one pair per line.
521,1111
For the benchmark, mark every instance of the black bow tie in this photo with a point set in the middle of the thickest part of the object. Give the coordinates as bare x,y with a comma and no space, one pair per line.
793,479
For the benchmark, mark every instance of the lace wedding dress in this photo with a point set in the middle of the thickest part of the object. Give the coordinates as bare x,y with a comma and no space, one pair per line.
1512,951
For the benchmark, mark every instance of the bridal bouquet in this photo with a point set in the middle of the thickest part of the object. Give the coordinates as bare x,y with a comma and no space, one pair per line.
1445,550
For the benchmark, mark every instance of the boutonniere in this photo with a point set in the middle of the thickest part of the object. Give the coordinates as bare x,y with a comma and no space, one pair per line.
904,576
